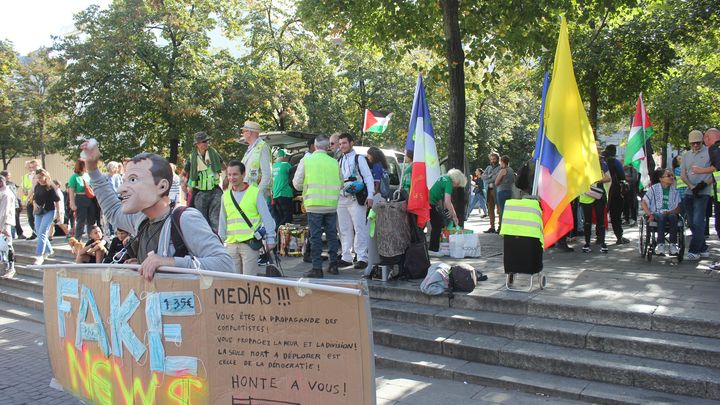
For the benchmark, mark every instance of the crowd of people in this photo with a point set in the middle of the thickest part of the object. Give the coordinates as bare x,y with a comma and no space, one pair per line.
239,205
688,189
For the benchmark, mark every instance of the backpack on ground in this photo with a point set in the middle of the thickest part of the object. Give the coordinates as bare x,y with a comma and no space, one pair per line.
463,278
437,280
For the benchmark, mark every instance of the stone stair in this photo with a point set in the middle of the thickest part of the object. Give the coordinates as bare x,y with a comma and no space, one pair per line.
592,351
596,353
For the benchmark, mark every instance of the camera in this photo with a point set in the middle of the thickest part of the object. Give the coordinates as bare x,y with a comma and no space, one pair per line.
260,233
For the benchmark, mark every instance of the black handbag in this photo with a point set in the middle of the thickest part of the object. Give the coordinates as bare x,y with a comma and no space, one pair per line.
254,243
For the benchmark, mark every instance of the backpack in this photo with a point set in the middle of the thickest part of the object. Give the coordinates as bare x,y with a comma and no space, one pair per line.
176,234
385,185
463,278
437,280
522,178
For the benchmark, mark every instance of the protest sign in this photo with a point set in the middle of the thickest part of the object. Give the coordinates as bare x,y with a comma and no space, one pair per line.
114,338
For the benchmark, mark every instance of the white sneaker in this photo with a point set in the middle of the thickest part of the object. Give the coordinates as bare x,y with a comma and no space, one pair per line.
692,256
39,260
673,249
705,254
433,253
660,249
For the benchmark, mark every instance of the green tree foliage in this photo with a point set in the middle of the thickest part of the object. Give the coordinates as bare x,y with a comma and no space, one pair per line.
11,141
140,76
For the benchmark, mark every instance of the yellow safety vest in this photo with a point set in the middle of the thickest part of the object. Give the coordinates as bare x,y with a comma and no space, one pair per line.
321,186
253,173
27,186
523,218
679,183
716,177
237,229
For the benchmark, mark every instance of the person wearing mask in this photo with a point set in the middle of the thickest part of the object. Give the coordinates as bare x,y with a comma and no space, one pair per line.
319,178
489,176
7,221
202,171
282,194
81,205
661,203
46,208
354,233
441,206
695,171
243,214
144,210
503,185
615,197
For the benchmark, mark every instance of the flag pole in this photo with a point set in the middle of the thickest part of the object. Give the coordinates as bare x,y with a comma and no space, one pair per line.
536,176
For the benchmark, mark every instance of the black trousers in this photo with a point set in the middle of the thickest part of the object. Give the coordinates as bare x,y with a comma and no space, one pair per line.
18,227
31,217
599,207
437,222
615,208
282,211
630,204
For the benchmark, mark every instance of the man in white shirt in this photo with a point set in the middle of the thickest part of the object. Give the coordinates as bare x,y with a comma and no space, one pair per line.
352,223
7,221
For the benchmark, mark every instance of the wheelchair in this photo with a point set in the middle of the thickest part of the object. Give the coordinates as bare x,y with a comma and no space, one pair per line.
647,241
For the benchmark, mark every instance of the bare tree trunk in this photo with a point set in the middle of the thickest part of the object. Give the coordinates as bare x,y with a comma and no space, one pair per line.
666,135
456,66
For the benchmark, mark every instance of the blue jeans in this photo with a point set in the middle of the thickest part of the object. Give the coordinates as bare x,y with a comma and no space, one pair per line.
43,224
695,207
476,199
317,223
669,222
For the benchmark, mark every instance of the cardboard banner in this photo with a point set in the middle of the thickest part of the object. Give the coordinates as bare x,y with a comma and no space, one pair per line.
114,338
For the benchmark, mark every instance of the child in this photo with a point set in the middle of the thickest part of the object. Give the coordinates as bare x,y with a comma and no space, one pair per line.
95,249
116,245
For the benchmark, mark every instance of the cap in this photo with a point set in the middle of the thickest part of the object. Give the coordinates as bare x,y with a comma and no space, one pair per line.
695,136
281,153
201,137
251,126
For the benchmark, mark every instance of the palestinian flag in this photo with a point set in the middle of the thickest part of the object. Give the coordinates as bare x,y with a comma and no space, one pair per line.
636,152
376,121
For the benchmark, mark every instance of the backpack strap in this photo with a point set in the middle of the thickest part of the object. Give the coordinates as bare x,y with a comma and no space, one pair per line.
176,233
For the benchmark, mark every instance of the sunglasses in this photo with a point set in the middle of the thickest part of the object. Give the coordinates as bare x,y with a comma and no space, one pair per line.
332,143
695,143
205,141
668,175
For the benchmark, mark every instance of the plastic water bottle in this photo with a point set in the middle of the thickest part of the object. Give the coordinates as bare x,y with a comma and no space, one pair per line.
91,143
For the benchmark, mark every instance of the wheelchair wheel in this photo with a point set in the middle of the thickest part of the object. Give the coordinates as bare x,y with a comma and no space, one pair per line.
641,238
649,243
681,241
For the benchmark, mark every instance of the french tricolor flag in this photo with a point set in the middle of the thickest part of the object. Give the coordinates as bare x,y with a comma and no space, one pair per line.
551,182
425,166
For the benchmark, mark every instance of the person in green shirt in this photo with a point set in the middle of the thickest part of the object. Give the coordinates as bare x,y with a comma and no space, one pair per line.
282,193
440,201
407,171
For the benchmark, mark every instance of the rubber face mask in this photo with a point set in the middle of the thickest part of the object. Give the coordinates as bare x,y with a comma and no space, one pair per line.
139,190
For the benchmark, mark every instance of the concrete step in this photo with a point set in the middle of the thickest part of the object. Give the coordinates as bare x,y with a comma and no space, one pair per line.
21,297
17,311
673,347
437,366
696,322
618,369
57,258
22,282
